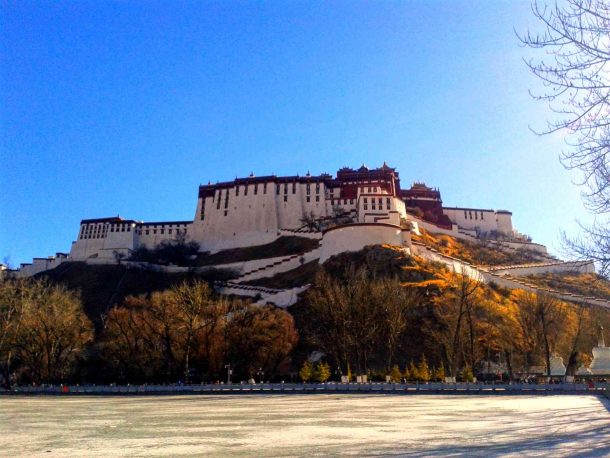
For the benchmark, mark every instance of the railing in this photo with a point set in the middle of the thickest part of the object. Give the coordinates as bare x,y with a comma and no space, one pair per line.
294,388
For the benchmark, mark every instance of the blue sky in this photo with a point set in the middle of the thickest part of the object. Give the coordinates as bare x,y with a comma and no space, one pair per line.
126,107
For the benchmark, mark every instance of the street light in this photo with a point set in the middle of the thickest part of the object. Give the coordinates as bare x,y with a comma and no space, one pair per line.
229,373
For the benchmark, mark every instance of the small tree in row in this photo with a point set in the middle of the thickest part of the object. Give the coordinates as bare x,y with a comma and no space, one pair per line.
319,373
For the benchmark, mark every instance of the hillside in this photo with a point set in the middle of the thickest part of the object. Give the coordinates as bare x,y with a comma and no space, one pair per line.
282,246
482,253
102,286
583,284
370,311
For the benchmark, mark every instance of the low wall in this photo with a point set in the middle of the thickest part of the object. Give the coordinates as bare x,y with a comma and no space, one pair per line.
535,269
598,388
354,237
526,246
299,233
453,264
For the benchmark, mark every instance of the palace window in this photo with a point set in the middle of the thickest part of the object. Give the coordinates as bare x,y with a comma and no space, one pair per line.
277,189
154,231
470,214
285,189
317,188
226,212
465,215
169,231
218,201
308,189
162,231
365,200
245,190
285,198
264,188
366,207
481,215
308,199
237,190
294,188
227,199
255,188
317,198
332,202
351,201
476,215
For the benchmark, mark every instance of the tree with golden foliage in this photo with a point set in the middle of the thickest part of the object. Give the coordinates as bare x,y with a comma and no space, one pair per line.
259,338
358,319
171,334
453,323
45,328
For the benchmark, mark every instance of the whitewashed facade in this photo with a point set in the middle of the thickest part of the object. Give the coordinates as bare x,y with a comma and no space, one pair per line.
256,210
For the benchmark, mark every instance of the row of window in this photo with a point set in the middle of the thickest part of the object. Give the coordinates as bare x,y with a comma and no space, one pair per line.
468,214
373,207
161,231
387,200
93,236
278,188
99,234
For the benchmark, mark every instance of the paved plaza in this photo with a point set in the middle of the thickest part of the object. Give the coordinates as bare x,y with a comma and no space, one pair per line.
305,425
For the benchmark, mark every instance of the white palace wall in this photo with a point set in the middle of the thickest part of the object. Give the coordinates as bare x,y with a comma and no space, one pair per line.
257,210
103,239
354,237
254,214
481,220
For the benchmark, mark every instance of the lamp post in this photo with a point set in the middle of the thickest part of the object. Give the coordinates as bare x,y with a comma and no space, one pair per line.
229,373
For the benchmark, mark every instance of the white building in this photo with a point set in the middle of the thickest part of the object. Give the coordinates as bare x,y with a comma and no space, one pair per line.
253,210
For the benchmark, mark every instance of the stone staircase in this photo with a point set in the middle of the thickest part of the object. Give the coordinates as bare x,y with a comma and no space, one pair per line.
249,274
278,297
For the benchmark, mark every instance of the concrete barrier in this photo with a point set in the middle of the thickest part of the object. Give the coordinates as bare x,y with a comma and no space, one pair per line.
316,388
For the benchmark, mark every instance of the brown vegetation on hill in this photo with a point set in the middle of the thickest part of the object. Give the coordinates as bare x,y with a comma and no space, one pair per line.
481,253
577,283
456,322
282,246
375,311
185,333
302,275
103,286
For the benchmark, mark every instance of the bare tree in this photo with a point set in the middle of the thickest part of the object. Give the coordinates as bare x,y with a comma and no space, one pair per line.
453,312
575,72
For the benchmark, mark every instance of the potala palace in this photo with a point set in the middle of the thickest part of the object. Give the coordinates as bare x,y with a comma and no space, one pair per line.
356,208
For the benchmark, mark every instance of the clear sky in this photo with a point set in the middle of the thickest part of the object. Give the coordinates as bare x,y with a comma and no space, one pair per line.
126,107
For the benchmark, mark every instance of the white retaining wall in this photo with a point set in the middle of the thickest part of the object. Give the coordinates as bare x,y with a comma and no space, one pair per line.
354,237
535,269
